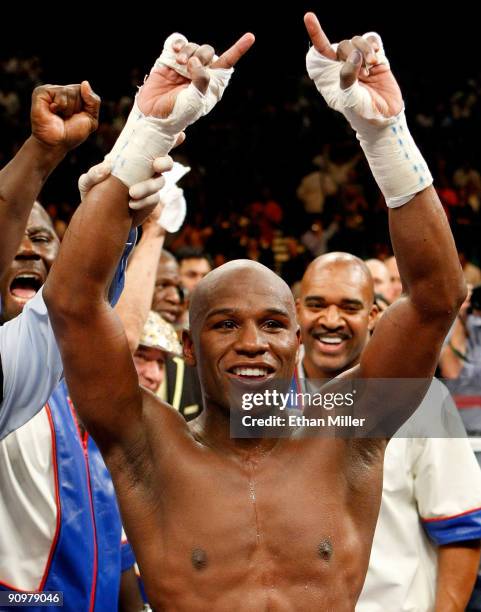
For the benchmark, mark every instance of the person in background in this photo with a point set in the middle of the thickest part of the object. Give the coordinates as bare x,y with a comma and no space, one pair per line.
157,341
396,284
381,278
51,472
426,545
194,264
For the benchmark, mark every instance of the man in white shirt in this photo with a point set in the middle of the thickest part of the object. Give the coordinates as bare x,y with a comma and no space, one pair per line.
62,118
30,365
426,545
56,490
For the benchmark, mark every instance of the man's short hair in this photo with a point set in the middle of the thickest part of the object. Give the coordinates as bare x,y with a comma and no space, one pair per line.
189,252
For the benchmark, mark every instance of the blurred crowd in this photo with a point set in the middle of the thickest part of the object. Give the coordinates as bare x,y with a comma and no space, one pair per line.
278,197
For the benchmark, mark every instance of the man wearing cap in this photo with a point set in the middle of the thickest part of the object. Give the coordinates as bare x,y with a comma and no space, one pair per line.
162,369
158,340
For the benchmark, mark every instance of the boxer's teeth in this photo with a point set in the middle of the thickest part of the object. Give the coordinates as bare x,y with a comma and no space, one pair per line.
250,371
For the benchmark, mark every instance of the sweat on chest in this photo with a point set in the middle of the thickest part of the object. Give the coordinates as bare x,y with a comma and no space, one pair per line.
274,514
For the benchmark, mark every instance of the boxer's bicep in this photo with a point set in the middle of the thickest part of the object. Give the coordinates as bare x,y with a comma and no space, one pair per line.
397,366
101,377
405,344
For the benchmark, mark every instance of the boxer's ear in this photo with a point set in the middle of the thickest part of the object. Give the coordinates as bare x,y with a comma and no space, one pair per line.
374,315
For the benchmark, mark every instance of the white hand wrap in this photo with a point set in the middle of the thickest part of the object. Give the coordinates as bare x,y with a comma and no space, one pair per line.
219,77
172,197
394,159
168,56
146,137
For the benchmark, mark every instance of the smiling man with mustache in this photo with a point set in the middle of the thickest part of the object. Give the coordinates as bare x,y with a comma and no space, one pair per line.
431,485
334,310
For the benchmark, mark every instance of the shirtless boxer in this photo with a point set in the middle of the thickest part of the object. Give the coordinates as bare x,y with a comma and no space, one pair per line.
231,524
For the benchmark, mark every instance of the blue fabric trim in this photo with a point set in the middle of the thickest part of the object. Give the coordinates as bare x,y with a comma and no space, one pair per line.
457,529
143,594
108,528
118,281
127,556
72,564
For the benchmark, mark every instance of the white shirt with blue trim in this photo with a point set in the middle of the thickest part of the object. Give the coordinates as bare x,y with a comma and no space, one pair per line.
31,364
431,496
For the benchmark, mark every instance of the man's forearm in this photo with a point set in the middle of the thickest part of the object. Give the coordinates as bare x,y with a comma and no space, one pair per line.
91,250
20,183
421,237
426,255
457,569
136,299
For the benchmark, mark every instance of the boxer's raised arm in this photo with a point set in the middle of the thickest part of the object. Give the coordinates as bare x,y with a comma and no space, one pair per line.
98,365
356,80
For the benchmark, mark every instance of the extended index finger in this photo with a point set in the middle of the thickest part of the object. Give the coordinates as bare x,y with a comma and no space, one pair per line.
230,57
317,36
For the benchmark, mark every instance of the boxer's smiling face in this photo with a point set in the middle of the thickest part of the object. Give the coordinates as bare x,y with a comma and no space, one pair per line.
29,269
245,333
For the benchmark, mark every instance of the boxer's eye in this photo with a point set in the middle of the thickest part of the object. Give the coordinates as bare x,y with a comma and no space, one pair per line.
227,324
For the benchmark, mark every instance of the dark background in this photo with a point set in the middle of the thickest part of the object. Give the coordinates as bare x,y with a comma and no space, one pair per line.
102,41
260,137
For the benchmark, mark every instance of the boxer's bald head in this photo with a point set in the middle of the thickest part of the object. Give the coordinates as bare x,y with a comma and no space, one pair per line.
226,280
242,316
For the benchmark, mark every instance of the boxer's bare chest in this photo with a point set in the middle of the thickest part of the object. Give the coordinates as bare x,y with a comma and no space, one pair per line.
281,519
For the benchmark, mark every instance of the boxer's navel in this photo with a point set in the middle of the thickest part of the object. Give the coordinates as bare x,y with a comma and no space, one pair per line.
199,558
325,550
